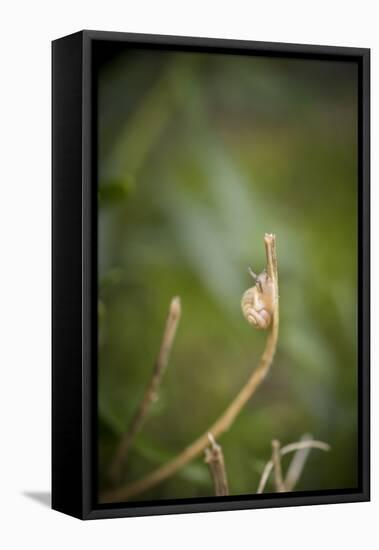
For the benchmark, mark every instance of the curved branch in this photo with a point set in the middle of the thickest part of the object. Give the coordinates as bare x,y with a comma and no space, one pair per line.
227,418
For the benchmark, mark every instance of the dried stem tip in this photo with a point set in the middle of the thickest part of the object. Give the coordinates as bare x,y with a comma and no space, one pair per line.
215,459
175,308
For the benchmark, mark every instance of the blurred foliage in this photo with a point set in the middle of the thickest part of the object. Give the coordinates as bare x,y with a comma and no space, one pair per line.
199,156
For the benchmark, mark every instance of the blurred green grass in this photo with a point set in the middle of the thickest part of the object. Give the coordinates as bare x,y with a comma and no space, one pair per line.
199,156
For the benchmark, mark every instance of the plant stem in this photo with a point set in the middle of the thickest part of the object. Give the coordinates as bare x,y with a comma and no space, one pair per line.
297,464
276,459
151,391
290,448
225,421
214,457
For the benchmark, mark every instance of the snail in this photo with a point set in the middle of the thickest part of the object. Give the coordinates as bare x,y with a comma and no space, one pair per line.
257,302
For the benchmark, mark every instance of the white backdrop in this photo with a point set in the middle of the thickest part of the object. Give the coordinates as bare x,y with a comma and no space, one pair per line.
27,29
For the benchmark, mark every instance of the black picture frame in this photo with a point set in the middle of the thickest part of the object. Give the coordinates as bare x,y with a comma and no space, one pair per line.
74,273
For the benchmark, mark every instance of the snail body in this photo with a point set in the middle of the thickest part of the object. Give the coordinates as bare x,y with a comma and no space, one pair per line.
257,302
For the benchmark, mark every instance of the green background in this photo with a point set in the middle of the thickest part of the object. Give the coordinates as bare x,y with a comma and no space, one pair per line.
198,156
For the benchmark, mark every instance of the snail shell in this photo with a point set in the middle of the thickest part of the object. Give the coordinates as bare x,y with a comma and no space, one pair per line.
257,302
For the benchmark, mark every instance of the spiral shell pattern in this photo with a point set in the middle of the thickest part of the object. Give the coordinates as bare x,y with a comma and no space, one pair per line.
256,305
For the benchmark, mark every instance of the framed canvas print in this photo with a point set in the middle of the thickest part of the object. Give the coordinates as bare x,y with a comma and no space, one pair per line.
210,275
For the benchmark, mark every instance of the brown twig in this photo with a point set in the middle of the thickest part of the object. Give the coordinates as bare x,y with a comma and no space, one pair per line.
227,418
290,448
214,457
276,459
151,391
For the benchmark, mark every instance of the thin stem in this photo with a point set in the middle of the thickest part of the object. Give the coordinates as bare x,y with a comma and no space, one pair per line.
272,261
277,466
214,457
227,418
297,464
151,391
290,448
